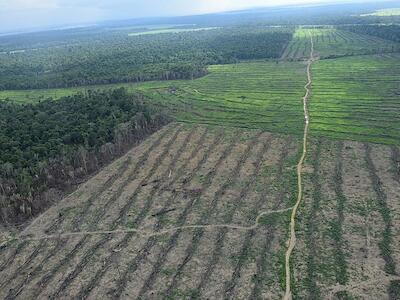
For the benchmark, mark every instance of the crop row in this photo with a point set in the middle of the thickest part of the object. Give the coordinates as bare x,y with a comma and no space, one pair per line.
42,247
331,42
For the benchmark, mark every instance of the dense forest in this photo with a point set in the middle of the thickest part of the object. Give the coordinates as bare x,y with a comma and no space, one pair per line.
118,57
47,148
388,32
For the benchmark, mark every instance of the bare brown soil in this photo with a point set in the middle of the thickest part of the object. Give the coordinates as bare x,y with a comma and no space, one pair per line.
347,262
181,223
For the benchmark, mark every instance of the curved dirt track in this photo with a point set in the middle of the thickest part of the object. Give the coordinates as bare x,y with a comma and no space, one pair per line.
145,233
292,235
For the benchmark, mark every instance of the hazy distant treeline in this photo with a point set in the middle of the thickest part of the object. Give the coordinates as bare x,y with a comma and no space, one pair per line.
117,57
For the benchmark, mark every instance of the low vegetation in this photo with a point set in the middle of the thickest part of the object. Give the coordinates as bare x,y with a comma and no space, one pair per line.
357,98
330,42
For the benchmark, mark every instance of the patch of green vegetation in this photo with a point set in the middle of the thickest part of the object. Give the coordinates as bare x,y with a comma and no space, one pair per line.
356,98
130,224
336,226
168,271
352,98
394,289
69,211
330,42
268,220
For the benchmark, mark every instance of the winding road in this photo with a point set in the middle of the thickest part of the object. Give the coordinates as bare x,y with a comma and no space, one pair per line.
291,243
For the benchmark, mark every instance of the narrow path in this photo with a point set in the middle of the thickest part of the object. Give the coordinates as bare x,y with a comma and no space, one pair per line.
143,233
292,235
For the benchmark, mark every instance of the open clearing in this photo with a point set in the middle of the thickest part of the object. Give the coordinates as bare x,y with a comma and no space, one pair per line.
175,218
191,175
182,175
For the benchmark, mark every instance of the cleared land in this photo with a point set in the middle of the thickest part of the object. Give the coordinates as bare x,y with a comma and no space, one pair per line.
195,175
180,176
348,226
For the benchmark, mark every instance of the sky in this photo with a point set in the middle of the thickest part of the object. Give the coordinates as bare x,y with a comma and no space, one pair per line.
24,14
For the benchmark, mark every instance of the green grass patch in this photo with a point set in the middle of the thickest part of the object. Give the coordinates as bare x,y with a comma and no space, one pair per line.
330,42
357,98
353,98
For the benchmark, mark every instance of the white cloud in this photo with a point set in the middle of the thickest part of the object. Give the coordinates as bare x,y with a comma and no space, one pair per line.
7,6
16,14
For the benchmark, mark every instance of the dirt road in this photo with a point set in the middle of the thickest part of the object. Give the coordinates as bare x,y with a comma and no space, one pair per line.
292,235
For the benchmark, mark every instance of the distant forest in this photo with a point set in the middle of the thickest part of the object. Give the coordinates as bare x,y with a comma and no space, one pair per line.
118,57
388,32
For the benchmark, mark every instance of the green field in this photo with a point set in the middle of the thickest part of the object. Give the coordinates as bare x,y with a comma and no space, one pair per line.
352,98
331,42
357,98
263,95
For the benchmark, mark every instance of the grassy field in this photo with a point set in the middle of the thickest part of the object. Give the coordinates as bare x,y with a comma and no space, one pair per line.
263,95
331,42
357,98
352,98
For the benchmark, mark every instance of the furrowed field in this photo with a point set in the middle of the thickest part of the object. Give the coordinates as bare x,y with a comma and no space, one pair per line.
196,175
357,98
183,175
262,95
348,226
180,215
265,95
332,42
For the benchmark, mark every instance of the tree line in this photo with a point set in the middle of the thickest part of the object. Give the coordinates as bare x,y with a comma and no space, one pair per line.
387,32
117,57
47,148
